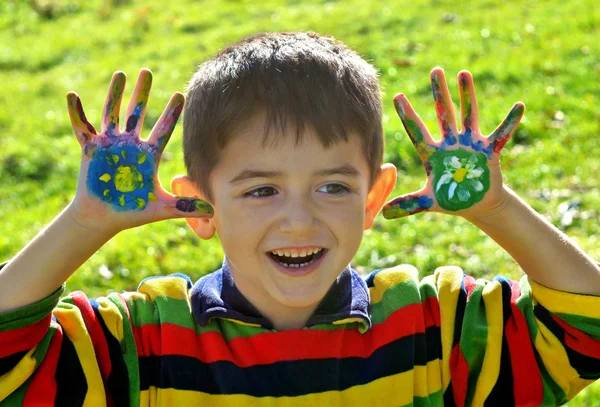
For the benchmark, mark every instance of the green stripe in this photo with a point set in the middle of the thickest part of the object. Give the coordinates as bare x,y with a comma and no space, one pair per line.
129,352
585,324
473,338
525,305
42,348
427,289
397,296
231,330
175,311
30,314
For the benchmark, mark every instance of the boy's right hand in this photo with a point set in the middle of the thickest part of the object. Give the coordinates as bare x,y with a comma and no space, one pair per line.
118,186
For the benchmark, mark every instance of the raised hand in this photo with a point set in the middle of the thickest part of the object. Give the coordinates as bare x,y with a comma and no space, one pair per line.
118,182
463,168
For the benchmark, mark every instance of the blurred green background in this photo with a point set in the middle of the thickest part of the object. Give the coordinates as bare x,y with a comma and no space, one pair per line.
543,53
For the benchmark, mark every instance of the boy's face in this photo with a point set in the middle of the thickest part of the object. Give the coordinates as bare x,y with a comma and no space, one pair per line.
294,207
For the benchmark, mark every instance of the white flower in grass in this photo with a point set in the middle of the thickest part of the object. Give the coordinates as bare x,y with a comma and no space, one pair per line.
462,176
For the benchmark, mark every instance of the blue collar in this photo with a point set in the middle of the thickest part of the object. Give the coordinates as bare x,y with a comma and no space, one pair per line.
216,296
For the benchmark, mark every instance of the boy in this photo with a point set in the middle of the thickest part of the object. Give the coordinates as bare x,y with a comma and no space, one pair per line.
283,146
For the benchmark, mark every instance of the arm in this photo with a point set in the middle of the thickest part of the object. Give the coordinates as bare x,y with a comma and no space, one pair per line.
544,253
42,266
117,189
464,179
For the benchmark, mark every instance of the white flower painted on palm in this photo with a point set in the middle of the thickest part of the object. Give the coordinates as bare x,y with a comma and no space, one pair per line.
462,175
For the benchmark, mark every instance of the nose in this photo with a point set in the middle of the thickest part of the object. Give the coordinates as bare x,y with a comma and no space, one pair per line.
299,217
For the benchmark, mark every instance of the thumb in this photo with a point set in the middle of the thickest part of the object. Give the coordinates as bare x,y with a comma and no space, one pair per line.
407,205
173,206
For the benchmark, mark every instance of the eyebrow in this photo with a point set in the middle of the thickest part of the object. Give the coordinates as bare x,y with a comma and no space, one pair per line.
346,170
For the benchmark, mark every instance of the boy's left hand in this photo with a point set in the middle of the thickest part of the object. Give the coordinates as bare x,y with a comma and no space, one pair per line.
463,168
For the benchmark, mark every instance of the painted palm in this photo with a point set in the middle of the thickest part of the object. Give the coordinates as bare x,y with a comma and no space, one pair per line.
463,168
118,168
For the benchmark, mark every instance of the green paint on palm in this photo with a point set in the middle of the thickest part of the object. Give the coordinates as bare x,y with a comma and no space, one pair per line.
461,178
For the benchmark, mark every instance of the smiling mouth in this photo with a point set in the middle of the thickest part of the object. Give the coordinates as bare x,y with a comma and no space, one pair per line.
297,262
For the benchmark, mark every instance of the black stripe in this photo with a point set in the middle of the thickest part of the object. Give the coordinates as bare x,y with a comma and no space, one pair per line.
449,397
433,337
117,383
70,379
8,363
586,366
289,378
502,393
461,305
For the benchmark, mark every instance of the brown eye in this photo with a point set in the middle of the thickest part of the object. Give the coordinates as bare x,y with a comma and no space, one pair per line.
336,189
260,193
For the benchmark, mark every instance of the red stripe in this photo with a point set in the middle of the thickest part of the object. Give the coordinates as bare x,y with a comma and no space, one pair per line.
23,339
459,373
470,284
527,380
294,344
95,330
431,312
579,341
42,389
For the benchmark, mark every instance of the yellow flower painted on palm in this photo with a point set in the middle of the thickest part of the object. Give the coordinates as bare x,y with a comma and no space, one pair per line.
122,176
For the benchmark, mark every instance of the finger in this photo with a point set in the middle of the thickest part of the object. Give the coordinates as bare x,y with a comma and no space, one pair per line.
182,207
414,126
443,106
407,205
161,133
505,130
136,109
468,104
112,106
84,131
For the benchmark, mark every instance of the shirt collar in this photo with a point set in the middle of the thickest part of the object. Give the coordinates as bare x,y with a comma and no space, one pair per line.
216,296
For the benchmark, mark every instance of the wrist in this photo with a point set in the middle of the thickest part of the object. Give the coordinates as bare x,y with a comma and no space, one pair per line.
497,212
102,228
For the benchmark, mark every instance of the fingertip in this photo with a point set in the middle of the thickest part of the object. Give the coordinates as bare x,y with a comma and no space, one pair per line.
399,96
465,77
464,73
119,76
178,98
72,98
437,71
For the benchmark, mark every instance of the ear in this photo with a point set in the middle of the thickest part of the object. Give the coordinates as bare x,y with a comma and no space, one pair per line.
379,193
183,186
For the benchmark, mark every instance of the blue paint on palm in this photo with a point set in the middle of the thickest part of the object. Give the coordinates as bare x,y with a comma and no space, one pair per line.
122,176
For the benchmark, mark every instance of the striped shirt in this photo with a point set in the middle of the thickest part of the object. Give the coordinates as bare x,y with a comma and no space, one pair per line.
388,340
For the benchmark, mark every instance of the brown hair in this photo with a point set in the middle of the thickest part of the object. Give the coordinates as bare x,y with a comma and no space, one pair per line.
304,77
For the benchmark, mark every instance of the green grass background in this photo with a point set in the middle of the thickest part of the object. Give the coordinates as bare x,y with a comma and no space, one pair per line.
543,53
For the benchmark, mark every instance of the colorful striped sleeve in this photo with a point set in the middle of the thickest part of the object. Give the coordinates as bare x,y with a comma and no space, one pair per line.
514,343
72,351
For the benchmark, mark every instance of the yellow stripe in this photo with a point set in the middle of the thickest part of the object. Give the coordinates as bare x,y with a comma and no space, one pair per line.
389,278
396,390
15,377
69,317
555,357
112,317
172,287
490,368
241,322
449,280
566,303
427,379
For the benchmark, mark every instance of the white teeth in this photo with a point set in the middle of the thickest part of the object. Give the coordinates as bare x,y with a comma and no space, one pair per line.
303,253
